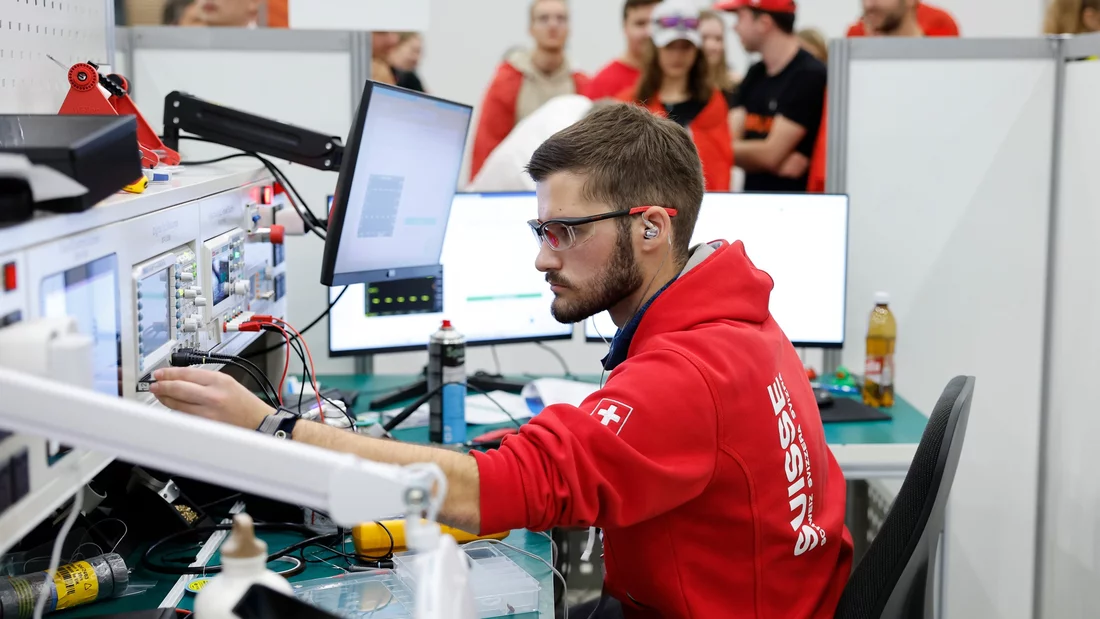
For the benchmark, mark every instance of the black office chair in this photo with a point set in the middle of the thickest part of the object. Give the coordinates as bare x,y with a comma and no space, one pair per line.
894,580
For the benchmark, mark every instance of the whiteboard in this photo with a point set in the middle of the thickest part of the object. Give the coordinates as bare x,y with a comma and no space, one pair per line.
948,166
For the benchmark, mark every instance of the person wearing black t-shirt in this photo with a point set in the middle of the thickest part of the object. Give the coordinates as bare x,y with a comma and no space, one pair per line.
779,103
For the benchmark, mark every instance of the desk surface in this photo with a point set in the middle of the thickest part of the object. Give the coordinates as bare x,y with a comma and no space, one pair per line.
905,427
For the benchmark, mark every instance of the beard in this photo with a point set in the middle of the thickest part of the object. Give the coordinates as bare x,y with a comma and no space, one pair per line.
891,20
619,279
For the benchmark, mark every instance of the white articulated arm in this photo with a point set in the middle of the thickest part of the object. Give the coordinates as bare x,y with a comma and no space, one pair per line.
351,490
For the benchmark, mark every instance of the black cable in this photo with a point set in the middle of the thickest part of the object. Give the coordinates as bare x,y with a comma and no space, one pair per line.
162,568
303,331
502,409
310,220
216,160
307,379
558,356
255,368
189,357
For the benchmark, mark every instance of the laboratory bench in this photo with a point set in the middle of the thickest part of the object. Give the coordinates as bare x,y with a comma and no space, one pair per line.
865,450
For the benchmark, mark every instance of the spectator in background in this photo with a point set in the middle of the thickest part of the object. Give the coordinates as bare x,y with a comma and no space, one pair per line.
382,43
813,41
527,80
182,13
713,30
404,59
623,72
676,83
1072,17
779,103
886,17
230,13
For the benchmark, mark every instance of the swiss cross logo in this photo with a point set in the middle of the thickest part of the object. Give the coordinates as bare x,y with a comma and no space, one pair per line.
612,414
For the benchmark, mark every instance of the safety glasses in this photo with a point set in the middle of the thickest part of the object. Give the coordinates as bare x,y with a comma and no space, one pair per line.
676,21
560,234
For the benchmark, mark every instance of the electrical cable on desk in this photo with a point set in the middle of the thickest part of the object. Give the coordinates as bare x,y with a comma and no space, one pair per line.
308,378
189,356
311,221
308,327
55,554
557,355
164,568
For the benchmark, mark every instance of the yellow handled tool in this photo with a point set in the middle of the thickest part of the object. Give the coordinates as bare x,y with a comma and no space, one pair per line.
371,539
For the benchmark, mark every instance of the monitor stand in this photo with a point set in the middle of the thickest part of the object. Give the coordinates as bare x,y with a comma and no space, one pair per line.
479,381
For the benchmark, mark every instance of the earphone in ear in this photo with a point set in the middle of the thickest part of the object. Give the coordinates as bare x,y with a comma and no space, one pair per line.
651,231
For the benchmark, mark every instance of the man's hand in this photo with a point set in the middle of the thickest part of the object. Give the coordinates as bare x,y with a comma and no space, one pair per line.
794,166
208,394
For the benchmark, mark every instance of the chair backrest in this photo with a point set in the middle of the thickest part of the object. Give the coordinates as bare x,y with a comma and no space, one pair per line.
894,578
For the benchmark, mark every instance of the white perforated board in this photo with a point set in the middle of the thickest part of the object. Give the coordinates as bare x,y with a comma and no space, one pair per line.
31,30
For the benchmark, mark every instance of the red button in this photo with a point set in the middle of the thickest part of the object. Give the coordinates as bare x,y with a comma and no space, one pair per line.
9,277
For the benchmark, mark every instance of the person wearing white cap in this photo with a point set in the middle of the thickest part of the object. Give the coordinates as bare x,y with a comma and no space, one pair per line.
676,83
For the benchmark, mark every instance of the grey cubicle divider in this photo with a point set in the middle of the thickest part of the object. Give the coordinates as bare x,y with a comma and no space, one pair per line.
1068,554
308,78
945,146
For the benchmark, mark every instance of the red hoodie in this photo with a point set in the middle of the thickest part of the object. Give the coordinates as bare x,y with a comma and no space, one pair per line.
703,459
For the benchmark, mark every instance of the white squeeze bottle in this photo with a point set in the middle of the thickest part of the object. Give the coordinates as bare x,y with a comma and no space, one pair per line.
244,563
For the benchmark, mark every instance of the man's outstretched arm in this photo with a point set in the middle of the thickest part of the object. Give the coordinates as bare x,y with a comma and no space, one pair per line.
219,397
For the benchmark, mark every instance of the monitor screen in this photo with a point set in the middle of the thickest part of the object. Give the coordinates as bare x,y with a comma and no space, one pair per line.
89,293
801,240
395,188
487,286
154,313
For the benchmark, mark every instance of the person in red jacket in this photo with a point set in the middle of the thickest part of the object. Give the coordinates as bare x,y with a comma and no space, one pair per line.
676,83
623,72
526,80
702,457
886,18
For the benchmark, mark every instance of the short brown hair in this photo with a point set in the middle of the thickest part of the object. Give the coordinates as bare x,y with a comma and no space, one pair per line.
630,158
630,5
536,3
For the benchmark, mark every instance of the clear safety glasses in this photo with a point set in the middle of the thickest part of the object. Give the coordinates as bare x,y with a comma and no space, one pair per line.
559,234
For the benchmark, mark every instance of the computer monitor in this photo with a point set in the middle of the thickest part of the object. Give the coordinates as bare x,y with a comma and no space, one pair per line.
801,240
396,183
487,286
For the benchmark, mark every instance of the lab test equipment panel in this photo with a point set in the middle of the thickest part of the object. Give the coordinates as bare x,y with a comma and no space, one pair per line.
142,276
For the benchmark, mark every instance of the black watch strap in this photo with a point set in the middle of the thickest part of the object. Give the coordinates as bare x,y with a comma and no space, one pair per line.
279,424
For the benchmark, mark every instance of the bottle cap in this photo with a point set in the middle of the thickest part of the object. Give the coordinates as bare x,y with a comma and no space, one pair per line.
446,324
242,542
882,298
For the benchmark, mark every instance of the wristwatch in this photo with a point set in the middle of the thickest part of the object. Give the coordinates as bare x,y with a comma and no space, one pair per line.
279,424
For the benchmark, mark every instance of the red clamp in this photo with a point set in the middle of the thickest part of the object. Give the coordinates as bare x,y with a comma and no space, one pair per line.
85,98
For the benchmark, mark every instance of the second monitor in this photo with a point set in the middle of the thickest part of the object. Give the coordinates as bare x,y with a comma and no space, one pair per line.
486,285
801,240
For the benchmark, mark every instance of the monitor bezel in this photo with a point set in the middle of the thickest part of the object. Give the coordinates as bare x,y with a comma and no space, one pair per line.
847,248
359,352
338,211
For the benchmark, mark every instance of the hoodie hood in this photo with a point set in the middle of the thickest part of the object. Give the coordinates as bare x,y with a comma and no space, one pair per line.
719,284
537,87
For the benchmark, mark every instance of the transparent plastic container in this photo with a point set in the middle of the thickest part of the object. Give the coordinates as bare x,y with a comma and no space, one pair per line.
500,588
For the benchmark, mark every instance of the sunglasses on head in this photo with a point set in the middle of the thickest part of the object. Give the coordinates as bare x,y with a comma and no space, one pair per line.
676,21
558,234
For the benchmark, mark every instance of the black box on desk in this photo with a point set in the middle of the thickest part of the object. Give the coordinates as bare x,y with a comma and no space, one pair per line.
99,152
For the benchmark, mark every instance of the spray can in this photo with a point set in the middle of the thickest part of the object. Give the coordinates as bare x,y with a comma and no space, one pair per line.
75,584
447,367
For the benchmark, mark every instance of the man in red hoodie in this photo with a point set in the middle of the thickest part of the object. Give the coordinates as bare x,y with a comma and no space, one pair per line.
702,458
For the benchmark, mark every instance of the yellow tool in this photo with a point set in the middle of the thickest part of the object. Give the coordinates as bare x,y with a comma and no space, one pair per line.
137,186
371,539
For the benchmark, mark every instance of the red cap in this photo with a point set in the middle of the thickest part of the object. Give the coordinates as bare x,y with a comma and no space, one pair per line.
277,234
446,324
770,6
